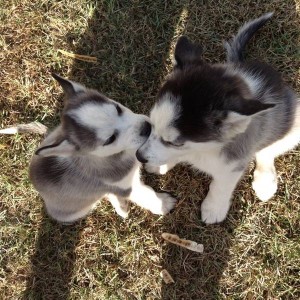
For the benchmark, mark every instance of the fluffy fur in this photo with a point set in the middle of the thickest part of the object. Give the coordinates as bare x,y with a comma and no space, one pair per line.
219,117
91,154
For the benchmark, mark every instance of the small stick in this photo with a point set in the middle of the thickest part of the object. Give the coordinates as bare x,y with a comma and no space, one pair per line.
167,278
175,239
34,127
86,58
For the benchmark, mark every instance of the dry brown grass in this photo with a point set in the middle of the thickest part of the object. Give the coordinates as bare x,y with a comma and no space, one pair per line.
254,254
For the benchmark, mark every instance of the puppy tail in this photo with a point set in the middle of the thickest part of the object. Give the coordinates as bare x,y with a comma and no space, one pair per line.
235,47
34,127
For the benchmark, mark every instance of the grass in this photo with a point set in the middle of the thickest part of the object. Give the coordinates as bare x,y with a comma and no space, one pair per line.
254,254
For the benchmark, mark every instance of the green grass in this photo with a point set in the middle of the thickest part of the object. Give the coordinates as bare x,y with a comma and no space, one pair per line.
254,254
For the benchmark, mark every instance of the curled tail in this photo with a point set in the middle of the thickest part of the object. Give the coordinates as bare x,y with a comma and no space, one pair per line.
236,46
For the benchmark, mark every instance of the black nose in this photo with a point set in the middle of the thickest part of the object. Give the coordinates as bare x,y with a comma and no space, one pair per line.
140,158
146,129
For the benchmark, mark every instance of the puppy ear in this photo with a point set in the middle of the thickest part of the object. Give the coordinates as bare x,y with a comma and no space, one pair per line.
63,148
235,123
187,53
70,87
247,107
240,114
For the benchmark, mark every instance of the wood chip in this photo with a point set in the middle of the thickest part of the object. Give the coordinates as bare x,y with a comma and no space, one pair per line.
175,239
86,58
167,278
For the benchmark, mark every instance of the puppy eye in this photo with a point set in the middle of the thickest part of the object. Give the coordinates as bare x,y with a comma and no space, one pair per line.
119,110
110,140
167,143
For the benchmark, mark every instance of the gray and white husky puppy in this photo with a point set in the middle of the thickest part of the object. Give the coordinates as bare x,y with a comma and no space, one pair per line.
218,117
91,154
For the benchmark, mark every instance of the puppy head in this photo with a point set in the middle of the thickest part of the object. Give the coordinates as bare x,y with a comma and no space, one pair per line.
94,124
199,106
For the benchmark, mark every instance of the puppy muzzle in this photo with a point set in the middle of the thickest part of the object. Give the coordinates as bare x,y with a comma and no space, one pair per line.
140,158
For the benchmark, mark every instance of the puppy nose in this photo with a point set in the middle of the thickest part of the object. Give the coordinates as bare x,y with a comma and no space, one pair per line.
140,157
146,129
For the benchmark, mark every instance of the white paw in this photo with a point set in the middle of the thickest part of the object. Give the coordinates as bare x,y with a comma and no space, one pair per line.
123,209
122,213
264,184
121,206
161,170
163,205
214,211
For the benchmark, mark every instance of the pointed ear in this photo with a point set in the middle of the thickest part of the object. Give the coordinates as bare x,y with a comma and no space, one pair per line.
247,107
240,115
186,52
235,123
70,87
63,148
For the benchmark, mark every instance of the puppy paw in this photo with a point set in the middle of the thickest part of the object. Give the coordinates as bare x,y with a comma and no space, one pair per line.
164,204
161,170
264,184
214,211
121,206
122,212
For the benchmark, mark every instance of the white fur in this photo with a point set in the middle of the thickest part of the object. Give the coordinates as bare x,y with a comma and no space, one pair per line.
11,130
208,157
105,121
97,116
120,205
162,116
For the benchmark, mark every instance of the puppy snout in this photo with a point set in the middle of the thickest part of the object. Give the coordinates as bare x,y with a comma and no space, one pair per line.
146,129
140,157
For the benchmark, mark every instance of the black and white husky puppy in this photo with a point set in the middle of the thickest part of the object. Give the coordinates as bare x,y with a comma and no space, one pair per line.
218,117
91,154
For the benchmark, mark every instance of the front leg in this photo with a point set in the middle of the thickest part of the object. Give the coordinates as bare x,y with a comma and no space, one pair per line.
144,196
157,203
216,204
121,205
161,170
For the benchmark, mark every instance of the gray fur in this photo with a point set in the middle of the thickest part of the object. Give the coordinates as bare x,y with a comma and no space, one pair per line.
91,154
236,46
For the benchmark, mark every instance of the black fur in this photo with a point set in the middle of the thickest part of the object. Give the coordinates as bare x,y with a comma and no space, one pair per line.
207,93
186,52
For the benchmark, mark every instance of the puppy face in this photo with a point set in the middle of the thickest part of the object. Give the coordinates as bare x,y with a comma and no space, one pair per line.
198,107
94,124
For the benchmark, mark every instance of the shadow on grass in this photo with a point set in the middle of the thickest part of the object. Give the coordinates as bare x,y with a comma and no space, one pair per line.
132,42
53,261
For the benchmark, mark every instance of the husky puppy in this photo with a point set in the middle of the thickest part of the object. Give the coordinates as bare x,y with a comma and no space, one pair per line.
91,154
218,117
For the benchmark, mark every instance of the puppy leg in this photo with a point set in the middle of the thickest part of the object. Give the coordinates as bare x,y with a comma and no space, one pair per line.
216,204
144,196
157,203
121,205
161,170
66,217
265,178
